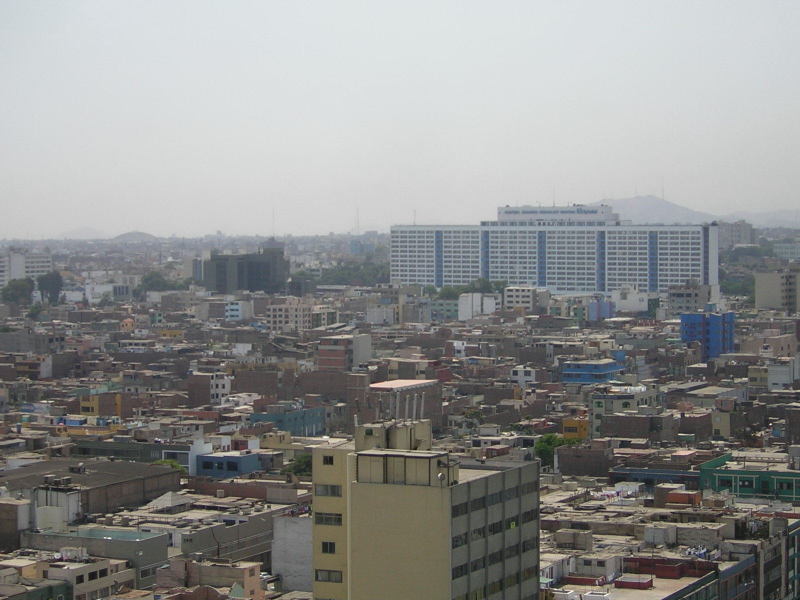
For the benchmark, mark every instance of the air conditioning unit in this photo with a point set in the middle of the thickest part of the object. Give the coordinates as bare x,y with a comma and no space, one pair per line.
220,493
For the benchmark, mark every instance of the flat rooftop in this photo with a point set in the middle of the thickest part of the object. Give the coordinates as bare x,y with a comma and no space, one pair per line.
397,385
661,589
106,533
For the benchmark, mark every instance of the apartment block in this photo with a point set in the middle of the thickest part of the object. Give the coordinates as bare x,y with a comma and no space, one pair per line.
525,297
777,290
343,352
564,249
714,331
396,519
19,264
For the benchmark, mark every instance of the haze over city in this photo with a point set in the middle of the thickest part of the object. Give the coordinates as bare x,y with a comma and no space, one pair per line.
191,117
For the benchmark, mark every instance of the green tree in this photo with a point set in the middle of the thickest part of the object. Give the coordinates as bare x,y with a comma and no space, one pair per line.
169,462
429,290
34,311
51,284
18,291
105,300
449,292
153,281
301,465
546,445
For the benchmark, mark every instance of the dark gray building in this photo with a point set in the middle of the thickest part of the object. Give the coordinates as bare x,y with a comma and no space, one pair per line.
266,271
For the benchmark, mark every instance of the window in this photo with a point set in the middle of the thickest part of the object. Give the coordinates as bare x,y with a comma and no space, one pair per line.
231,466
478,533
512,522
496,527
494,498
327,459
495,557
460,539
460,570
329,547
321,518
477,564
478,503
103,572
460,509
92,575
207,464
78,578
528,516
328,576
328,490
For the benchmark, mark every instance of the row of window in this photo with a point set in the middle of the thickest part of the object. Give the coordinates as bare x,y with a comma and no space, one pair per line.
479,533
496,586
493,498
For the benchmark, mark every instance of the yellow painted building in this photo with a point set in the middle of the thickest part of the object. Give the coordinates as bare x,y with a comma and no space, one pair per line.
575,428
395,518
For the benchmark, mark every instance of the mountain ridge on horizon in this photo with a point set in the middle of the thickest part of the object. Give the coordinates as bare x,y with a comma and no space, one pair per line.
651,210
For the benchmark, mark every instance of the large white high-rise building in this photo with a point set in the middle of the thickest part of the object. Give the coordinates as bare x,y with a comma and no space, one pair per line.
16,264
565,249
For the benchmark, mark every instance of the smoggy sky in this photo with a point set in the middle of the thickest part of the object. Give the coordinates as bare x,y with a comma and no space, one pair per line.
188,117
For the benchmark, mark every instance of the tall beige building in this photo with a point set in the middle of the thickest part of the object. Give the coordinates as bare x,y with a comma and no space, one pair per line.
395,518
778,290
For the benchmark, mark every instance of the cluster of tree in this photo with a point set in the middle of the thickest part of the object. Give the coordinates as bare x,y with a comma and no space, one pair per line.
153,281
20,291
545,447
301,465
742,284
368,273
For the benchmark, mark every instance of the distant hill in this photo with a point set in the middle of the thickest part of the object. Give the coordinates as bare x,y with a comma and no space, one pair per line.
647,210
135,236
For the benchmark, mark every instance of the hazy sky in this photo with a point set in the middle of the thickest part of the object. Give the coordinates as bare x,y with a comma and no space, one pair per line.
188,117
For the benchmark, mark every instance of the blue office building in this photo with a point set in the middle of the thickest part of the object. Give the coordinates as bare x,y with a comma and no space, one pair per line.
601,370
713,330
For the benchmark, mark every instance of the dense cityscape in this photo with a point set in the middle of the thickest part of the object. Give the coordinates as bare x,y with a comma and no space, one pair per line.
560,404
346,300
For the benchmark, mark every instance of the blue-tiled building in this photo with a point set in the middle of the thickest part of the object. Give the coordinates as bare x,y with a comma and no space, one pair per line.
223,465
713,330
297,421
601,370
